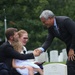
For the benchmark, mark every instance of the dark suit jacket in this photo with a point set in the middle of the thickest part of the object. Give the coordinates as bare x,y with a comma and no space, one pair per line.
7,53
66,27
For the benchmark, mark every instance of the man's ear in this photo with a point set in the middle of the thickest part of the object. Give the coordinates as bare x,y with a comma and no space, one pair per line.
11,37
49,17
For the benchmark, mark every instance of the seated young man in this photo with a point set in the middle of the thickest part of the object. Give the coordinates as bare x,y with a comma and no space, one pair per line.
7,52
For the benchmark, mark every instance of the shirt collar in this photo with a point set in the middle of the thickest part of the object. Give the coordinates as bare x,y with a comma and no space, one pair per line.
9,42
55,22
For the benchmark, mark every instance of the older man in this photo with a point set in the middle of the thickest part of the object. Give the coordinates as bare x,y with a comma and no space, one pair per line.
63,28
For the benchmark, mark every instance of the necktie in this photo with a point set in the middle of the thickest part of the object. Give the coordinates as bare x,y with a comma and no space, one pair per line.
24,51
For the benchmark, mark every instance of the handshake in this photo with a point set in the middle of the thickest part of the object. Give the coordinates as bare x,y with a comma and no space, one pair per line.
37,52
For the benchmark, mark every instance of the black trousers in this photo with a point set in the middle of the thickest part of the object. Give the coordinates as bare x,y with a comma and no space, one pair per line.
4,69
4,72
70,67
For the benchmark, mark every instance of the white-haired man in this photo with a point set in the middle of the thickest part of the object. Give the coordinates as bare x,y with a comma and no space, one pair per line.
63,28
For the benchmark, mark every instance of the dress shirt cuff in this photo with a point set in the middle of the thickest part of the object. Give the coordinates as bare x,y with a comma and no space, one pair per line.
42,49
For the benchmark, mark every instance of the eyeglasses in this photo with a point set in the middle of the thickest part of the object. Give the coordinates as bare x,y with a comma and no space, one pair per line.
25,38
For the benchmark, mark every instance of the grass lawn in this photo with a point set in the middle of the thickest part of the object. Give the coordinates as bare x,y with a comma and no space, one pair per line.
53,62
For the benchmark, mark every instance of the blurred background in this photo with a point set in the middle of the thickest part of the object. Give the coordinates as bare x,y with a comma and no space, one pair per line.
24,14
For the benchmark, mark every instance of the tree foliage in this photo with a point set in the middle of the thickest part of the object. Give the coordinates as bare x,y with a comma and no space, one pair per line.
24,14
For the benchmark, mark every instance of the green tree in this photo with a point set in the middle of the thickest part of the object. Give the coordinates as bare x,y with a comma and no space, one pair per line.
24,14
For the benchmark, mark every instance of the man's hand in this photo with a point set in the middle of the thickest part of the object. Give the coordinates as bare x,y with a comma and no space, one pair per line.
71,55
36,52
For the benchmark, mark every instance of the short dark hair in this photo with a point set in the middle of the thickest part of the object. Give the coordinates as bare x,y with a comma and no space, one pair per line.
10,32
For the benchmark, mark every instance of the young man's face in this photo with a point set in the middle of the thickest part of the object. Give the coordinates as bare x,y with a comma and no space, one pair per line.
47,22
24,38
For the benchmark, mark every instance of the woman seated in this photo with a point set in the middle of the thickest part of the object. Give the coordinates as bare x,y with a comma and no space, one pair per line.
24,66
